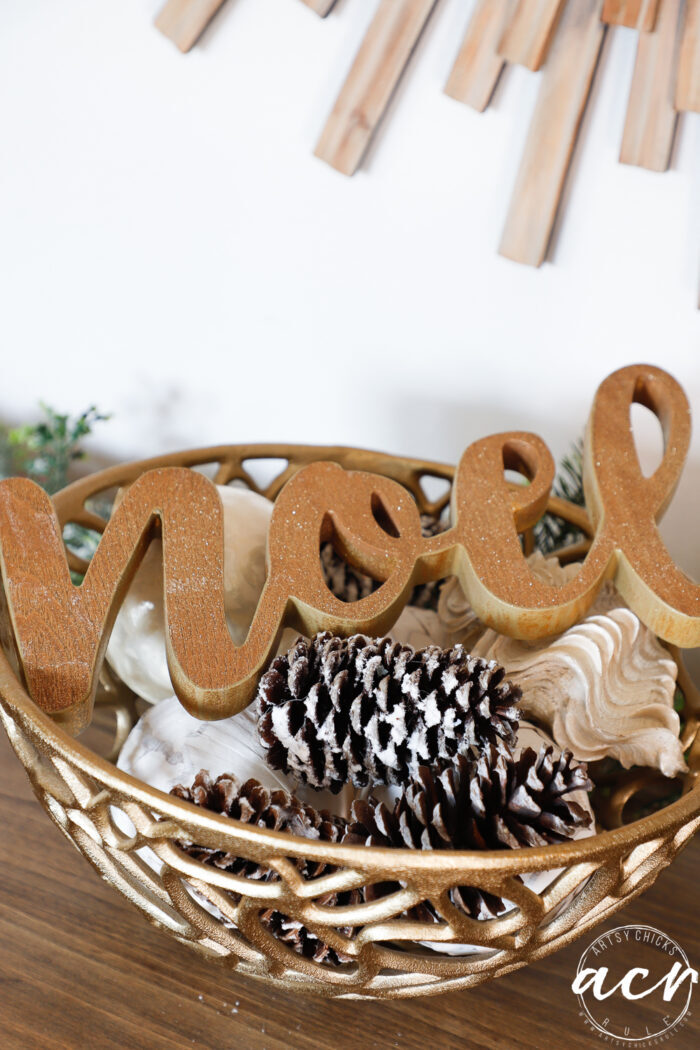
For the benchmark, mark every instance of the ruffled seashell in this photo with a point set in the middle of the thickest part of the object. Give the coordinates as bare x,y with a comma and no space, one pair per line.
136,648
604,688
456,614
419,628
463,625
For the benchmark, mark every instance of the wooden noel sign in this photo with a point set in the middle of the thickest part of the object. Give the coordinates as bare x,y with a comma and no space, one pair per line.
60,631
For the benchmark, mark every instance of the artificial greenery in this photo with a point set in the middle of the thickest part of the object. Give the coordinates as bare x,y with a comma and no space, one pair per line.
552,532
44,452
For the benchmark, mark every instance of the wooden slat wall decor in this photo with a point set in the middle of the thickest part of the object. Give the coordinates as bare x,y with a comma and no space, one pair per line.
566,83
321,7
688,86
478,64
651,120
636,14
184,21
382,58
529,32
561,37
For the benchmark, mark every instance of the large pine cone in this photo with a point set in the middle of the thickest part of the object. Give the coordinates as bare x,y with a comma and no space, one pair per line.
496,801
350,584
339,710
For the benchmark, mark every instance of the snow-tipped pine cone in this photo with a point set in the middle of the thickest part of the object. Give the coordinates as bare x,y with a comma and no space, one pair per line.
371,711
495,801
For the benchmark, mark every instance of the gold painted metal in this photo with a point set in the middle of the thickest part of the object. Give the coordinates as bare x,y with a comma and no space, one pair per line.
82,792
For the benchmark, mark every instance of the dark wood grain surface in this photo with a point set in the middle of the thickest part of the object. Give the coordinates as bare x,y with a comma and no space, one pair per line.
80,969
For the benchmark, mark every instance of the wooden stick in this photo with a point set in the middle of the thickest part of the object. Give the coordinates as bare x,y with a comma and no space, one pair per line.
635,14
382,58
651,115
478,65
321,7
529,32
562,98
184,21
688,86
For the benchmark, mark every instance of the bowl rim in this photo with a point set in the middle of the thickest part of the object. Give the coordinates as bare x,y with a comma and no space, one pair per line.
16,703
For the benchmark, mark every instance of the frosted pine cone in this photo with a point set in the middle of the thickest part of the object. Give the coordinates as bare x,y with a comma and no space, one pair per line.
490,802
276,811
496,801
254,804
335,710
350,584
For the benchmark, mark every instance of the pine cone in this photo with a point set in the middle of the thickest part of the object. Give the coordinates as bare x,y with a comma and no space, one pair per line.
276,811
342,580
334,710
496,801
254,804
351,584
301,940
493,801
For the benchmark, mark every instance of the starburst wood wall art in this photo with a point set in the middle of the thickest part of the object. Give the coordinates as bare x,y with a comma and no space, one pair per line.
562,38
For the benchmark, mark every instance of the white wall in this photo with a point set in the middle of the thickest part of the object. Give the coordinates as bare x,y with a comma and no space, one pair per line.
170,248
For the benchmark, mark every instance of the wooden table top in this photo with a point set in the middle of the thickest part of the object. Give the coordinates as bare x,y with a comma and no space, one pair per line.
80,969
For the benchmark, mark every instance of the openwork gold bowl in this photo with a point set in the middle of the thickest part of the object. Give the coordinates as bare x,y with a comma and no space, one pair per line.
83,793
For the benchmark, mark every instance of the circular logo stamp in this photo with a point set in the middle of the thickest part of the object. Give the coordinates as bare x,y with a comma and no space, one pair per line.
634,986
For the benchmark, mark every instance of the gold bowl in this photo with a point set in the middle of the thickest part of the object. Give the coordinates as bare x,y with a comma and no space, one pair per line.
218,913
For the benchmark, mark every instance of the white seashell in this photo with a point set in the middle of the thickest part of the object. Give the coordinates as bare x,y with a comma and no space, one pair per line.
167,746
136,648
604,688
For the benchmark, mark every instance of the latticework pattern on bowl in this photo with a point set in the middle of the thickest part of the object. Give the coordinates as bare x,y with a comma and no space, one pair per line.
219,913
